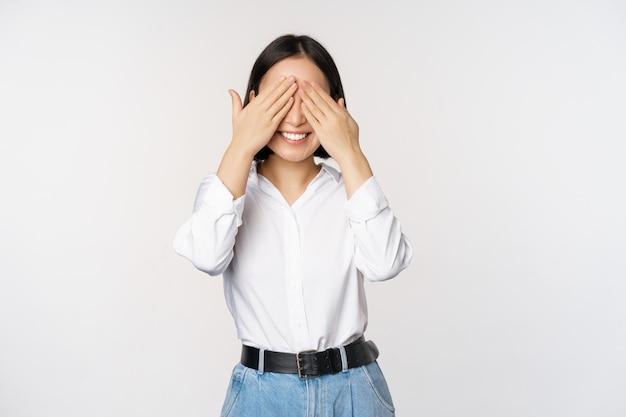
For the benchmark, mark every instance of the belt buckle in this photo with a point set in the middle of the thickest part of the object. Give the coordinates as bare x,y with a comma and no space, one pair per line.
301,368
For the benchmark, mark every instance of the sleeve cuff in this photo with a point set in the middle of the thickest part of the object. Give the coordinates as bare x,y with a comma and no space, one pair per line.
214,195
367,202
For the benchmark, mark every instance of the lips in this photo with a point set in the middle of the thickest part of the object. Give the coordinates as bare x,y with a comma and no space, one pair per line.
294,136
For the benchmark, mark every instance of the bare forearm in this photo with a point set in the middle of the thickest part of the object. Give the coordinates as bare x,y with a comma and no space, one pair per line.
355,170
234,169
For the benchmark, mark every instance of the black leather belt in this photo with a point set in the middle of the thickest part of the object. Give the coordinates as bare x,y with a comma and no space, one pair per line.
311,364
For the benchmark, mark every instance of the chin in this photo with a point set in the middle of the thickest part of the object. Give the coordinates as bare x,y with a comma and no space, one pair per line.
291,157
293,153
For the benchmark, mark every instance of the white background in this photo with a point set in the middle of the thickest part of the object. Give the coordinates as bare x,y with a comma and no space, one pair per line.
497,129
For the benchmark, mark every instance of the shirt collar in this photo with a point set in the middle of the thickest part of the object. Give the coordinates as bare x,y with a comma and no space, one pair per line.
335,175
253,178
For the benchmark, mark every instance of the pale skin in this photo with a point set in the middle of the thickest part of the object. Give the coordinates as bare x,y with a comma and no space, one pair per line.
293,101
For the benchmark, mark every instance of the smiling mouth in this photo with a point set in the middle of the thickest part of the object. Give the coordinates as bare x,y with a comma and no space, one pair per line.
294,136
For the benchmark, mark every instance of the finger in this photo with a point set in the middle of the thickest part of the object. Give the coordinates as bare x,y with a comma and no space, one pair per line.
342,103
321,98
277,90
310,116
312,107
281,101
236,102
282,112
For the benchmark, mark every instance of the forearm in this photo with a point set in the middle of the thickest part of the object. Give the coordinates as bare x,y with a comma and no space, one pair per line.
234,169
355,170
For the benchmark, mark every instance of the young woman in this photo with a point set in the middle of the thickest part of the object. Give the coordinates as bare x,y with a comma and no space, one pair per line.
294,240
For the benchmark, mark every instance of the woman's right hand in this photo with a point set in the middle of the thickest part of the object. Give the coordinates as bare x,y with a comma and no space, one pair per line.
254,125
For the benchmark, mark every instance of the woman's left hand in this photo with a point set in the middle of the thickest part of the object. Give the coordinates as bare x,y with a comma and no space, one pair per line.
335,128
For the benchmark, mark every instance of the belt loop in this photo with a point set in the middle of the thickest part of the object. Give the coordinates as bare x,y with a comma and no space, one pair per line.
261,368
344,359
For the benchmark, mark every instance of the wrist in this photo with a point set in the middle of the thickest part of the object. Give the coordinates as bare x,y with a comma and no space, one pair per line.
239,151
350,158
355,170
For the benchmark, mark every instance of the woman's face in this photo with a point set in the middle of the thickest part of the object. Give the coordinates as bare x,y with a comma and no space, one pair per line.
294,140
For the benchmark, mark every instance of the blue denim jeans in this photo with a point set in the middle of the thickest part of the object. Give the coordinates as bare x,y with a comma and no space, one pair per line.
359,392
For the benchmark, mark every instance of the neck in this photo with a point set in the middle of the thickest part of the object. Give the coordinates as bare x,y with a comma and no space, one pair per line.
291,178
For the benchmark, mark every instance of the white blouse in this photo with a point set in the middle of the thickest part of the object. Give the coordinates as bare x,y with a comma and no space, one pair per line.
293,275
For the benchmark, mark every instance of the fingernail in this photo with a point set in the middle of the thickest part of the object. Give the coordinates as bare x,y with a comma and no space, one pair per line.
282,77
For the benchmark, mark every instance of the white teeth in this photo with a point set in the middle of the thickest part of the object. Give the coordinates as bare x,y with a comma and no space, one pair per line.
294,136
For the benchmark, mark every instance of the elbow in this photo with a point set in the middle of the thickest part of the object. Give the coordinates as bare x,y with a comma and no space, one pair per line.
374,276
211,268
206,261
390,266
211,263
207,238
381,275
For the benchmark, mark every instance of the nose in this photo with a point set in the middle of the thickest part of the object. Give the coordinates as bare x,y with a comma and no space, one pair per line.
295,117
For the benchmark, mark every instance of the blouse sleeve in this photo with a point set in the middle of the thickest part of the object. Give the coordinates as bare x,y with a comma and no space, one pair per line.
208,237
381,249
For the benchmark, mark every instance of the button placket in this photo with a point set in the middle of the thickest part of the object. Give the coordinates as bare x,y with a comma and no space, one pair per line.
293,282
